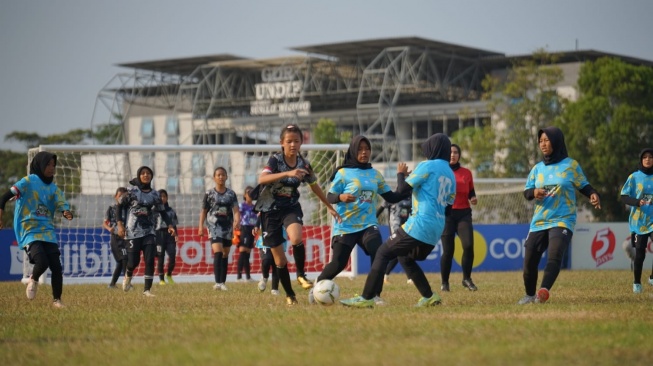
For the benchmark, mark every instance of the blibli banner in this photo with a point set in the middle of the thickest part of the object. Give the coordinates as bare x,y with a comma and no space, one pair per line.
496,248
86,255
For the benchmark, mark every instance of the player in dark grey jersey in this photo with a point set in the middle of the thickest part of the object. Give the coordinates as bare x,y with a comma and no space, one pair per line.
142,205
118,245
220,211
165,242
398,213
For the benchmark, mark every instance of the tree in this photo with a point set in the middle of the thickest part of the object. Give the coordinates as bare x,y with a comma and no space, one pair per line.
14,167
608,126
32,140
521,103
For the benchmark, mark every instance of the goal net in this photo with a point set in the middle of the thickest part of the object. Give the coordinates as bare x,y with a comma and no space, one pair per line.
90,175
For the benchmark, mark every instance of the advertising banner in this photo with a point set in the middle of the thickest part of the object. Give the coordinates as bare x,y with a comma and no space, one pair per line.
602,246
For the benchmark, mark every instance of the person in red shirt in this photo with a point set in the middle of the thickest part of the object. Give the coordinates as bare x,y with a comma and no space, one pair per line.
459,222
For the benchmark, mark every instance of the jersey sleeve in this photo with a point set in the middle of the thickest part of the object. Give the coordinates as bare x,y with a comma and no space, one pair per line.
60,201
310,178
580,180
338,184
530,181
382,186
628,188
271,165
205,202
21,187
418,176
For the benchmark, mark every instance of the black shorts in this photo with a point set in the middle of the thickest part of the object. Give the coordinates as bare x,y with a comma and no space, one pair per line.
273,223
246,236
118,248
136,245
165,243
404,245
217,240
368,239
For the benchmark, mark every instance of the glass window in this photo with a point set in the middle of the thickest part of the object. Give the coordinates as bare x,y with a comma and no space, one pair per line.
172,127
172,184
198,167
173,166
147,128
148,159
198,184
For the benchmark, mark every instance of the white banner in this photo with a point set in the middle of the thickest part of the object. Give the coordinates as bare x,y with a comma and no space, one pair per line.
601,246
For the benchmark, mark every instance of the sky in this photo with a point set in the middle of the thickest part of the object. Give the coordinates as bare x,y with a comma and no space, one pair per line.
56,56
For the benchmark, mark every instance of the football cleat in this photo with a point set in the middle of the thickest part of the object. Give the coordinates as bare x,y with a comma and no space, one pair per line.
526,300
467,283
127,283
291,300
378,301
429,301
170,280
58,304
637,288
542,295
148,294
358,302
262,284
445,287
304,282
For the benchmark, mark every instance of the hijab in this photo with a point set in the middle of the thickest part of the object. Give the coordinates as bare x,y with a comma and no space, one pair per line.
137,181
557,144
456,166
437,146
39,163
647,171
351,160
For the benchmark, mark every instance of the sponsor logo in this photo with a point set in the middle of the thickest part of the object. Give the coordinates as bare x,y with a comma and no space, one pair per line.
603,246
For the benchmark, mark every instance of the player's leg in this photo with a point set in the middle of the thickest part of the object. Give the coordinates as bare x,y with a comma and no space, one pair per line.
224,266
171,250
466,235
535,245
216,246
448,246
293,223
149,253
54,263
160,255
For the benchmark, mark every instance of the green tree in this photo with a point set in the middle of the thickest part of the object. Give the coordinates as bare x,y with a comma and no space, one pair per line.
521,103
608,126
14,167
323,162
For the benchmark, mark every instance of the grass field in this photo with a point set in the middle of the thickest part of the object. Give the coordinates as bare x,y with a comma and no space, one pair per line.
592,318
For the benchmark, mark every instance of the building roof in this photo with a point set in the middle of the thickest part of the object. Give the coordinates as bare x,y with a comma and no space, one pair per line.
565,57
180,66
372,47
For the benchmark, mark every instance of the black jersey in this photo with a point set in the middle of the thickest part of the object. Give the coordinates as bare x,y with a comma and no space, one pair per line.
142,211
172,215
111,215
220,214
283,193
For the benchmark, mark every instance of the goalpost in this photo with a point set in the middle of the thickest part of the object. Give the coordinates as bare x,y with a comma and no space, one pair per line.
89,176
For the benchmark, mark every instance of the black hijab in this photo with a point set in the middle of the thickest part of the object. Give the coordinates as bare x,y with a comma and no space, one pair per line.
38,164
647,171
350,158
437,146
557,144
137,181
456,166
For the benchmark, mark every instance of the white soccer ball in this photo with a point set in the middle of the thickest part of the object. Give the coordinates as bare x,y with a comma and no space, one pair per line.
326,292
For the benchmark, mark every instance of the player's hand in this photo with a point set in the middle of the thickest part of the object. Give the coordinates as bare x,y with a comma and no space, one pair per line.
595,201
402,168
539,193
200,232
172,231
334,214
348,197
473,200
68,215
121,230
297,173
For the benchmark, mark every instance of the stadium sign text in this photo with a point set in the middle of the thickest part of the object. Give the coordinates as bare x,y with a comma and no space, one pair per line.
272,97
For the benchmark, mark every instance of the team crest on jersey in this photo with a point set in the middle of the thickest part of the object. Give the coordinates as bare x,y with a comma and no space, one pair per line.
366,196
41,210
221,211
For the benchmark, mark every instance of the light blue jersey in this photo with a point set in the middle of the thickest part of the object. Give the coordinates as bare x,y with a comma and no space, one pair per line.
36,204
640,186
560,180
365,185
434,188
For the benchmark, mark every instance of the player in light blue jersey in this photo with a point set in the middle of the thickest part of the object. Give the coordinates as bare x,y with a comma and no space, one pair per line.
354,191
552,184
433,188
37,200
637,192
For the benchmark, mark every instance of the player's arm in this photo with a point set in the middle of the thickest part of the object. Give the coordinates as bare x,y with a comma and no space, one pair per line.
236,212
3,201
320,194
200,228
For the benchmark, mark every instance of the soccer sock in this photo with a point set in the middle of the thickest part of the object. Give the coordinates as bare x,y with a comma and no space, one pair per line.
116,273
124,266
148,283
241,256
299,253
217,261
223,268
245,256
284,278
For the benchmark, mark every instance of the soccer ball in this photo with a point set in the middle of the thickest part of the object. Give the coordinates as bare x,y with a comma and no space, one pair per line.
326,292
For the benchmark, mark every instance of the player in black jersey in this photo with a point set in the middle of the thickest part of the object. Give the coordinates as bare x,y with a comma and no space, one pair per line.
220,210
166,243
118,246
278,203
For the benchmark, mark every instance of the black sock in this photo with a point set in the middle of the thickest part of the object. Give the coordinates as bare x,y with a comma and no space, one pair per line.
217,262
246,264
284,278
225,264
299,253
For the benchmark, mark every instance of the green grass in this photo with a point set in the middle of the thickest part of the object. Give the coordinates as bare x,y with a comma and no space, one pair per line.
592,318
